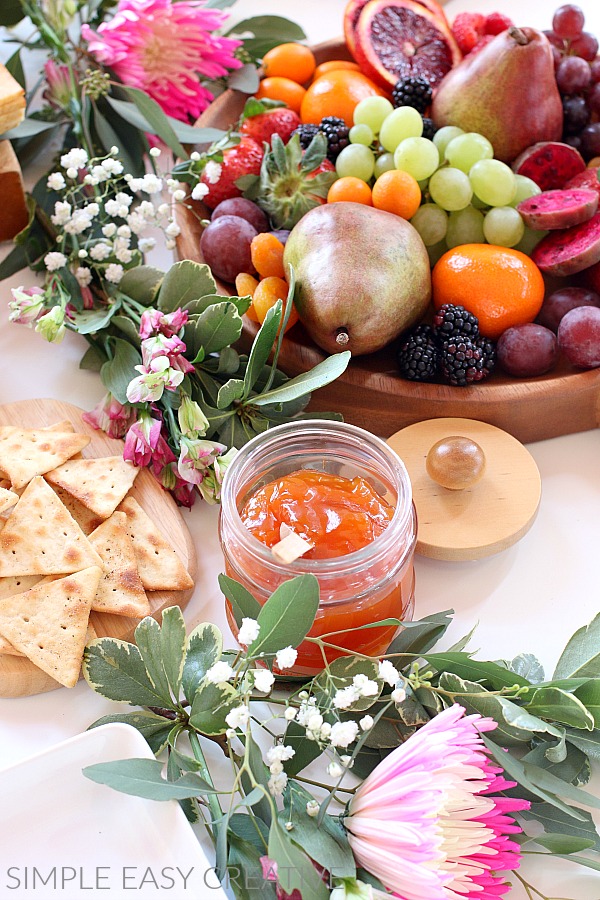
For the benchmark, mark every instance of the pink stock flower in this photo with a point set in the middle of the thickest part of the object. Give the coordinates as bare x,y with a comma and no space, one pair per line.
110,416
156,322
26,306
171,347
425,821
195,458
167,50
142,439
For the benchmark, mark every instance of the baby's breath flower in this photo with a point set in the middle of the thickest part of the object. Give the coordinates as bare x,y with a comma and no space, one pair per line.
154,151
100,251
238,718
114,273
194,156
388,672
212,171
200,191
365,686
83,276
173,230
343,734
312,808
146,244
72,172
151,184
76,159
109,230
345,697
280,753
219,673
249,631
334,770
178,195
54,261
285,659
82,254
290,714
277,783
366,722
399,695
62,212
263,680
56,182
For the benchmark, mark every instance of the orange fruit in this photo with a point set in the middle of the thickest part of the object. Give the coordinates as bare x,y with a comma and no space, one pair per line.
348,188
245,285
397,192
331,65
278,88
295,61
336,93
267,255
501,287
266,295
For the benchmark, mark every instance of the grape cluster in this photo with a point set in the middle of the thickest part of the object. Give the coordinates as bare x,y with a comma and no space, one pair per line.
577,69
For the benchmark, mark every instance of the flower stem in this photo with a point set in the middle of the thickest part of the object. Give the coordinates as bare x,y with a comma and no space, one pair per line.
213,801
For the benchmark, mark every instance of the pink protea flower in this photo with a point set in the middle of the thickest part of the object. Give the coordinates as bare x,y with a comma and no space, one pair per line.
425,821
110,416
166,49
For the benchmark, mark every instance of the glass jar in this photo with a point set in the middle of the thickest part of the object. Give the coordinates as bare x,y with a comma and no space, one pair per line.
368,585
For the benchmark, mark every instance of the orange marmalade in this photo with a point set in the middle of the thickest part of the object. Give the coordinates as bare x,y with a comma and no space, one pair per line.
348,494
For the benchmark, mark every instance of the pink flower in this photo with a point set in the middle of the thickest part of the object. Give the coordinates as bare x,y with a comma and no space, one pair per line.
142,439
195,458
425,821
156,322
110,416
153,380
172,348
26,306
166,49
59,90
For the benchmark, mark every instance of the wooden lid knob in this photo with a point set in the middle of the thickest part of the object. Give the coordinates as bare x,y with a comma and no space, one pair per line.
455,463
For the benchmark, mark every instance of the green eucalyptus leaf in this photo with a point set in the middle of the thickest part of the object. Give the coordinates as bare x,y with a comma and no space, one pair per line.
553,703
143,778
580,860
245,79
262,346
117,372
581,656
464,666
229,392
90,321
463,642
563,843
568,767
557,822
15,67
287,616
174,773
589,695
305,751
528,666
323,373
185,282
204,648
26,129
260,774
142,284
154,728
93,359
420,635
588,742
115,669
212,702
243,604
110,138
295,870
244,869
475,698
326,842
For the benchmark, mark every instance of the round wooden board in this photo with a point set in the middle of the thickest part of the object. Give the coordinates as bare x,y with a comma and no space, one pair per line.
477,521
370,393
18,676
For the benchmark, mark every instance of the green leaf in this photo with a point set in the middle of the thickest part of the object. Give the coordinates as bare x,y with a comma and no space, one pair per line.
411,711
244,869
462,665
557,822
15,67
287,616
340,674
295,870
262,346
115,669
519,717
580,860
128,328
323,373
11,13
528,666
90,321
245,79
563,843
327,842
552,703
27,128
568,766
120,370
229,392
185,282
268,31
93,359
581,656
204,648
243,604
549,782
463,642
154,119
155,729
216,328
110,138
261,774
172,647
420,635
212,702
142,284
589,695
486,704
305,751
143,778
589,743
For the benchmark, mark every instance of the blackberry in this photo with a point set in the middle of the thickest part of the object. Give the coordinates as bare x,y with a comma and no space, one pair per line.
306,133
418,355
429,129
336,131
412,91
453,321
488,349
461,362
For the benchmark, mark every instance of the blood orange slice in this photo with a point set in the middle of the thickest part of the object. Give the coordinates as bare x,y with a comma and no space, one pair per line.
355,7
398,38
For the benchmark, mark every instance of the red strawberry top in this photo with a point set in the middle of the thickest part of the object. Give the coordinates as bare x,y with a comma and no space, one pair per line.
243,159
261,128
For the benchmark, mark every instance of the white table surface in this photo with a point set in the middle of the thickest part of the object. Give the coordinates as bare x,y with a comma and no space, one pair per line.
531,597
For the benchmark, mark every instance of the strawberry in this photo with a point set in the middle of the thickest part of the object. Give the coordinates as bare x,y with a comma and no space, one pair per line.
467,29
496,22
244,158
282,121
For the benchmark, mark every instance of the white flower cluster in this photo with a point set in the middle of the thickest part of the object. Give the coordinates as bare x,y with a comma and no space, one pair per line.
340,734
361,686
276,756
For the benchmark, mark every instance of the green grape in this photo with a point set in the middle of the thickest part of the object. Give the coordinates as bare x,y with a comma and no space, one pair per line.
526,188
418,156
464,151
479,204
361,134
356,160
436,251
443,136
450,188
493,182
401,123
465,227
530,240
503,226
431,223
384,163
372,111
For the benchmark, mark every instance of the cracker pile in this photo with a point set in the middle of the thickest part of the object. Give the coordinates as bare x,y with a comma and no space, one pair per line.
72,544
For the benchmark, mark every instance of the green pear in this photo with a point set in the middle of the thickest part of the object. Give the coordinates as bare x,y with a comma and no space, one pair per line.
362,276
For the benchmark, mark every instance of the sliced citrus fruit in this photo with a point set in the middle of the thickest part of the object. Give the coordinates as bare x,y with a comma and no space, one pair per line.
395,39
355,7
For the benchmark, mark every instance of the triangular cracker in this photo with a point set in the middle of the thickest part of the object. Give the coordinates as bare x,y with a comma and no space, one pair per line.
42,538
7,648
25,454
87,520
64,425
100,484
159,565
49,623
120,590
7,499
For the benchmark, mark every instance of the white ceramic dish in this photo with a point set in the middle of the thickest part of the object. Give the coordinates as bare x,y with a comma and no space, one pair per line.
64,836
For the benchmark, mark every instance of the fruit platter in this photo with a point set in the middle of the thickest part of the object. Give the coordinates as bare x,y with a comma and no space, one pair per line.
487,145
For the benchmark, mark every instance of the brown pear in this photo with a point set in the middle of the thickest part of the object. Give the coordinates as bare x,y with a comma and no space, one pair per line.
506,91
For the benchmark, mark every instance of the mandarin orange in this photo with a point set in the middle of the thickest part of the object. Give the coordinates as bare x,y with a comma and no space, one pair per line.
336,93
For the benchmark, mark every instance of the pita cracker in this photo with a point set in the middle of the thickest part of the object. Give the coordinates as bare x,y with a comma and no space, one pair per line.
100,484
65,426
42,538
25,454
159,565
48,623
87,520
16,584
120,590
7,499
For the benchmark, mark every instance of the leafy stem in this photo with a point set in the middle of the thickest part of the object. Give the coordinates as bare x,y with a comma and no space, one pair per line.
213,800
530,890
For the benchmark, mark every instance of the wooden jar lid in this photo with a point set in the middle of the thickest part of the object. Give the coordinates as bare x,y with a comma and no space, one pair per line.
480,520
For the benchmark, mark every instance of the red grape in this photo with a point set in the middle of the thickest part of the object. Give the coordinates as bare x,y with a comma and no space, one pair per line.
555,40
590,140
527,350
595,70
585,46
576,114
573,75
225,246
560,302
579,336
245,209
593,98
568,21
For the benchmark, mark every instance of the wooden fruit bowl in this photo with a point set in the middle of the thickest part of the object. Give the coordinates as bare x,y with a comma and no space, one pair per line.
370,393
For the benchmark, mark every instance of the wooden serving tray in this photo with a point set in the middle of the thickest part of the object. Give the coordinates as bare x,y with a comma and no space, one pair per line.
371,394
18,676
